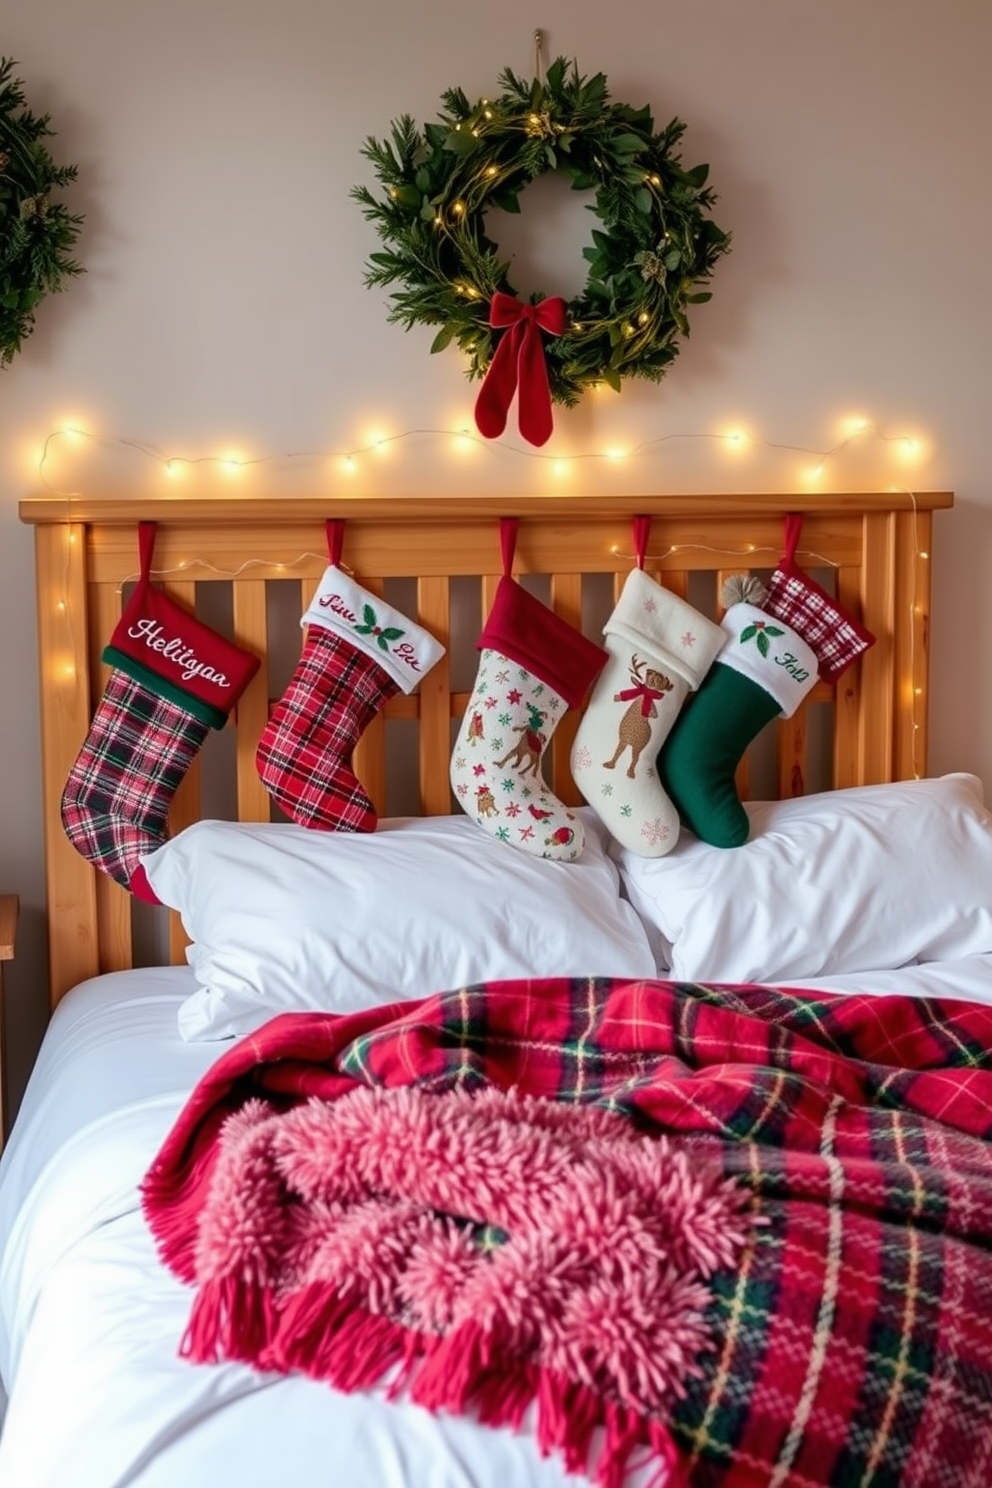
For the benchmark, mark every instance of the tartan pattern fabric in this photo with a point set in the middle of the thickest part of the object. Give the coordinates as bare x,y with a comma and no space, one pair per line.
115,803
304,754
802,603
853,1341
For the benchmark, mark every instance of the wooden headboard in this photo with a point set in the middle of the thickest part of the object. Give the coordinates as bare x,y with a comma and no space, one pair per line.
878,545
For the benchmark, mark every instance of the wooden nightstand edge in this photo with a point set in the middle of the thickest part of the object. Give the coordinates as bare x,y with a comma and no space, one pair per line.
9,904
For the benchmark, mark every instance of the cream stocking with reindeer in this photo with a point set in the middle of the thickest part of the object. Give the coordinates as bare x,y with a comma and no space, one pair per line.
659,649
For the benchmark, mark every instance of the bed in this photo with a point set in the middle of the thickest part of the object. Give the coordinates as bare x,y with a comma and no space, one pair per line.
865,881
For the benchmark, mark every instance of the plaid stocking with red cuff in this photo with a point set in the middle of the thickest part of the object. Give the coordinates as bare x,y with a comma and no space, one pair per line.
173,679
358,652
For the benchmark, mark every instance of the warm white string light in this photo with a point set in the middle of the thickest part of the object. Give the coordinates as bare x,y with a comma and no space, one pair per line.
748,551
232,573
735,440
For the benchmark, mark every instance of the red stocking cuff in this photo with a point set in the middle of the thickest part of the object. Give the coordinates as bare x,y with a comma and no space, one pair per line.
162,640
527,632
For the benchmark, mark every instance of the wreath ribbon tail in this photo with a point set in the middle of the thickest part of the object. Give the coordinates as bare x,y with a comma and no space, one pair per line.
499,385
534,393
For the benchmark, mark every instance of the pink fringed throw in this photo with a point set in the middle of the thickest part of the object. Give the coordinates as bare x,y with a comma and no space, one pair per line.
477,1251
864,1145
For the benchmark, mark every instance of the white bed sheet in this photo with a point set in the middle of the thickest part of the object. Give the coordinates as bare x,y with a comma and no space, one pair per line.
90,1321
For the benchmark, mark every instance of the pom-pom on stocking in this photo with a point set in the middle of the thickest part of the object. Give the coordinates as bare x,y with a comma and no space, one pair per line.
172,680
764,670
359,651
533,668
659,649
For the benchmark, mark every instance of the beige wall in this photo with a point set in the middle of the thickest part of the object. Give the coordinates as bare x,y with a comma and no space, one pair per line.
223,306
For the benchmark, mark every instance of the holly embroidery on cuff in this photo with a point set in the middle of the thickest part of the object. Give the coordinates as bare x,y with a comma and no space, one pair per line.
383,634
759,631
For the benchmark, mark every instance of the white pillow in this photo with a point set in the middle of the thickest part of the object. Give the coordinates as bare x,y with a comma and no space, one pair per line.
868,879
283,917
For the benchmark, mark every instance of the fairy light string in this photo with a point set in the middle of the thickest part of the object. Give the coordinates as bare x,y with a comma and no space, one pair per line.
348,459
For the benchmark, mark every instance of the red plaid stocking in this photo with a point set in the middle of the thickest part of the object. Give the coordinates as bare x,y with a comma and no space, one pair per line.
358,652
173,679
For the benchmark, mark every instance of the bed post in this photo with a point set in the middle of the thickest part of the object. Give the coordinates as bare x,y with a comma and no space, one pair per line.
63,641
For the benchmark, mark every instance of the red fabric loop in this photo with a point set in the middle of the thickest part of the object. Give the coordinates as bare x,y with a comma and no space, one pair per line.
518,364
642,532
146,547
793,529
507,543
334,531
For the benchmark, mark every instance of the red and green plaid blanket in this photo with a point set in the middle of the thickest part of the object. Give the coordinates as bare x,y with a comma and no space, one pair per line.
852,1341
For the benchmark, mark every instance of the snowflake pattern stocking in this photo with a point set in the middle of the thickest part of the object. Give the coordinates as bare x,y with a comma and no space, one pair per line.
533,667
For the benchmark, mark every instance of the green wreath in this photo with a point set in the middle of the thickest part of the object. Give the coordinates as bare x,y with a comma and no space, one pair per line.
655,246
36,233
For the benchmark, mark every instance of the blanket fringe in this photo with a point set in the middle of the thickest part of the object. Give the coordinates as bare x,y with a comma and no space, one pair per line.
625,1431
673,1470
332,1338
173,1204
450,1368
231,1318
503,1396
336,1339
568,1416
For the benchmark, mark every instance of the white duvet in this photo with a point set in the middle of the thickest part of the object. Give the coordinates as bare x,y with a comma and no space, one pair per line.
90,1322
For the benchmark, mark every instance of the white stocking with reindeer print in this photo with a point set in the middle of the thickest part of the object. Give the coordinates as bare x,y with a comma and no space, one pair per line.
533,667
659,650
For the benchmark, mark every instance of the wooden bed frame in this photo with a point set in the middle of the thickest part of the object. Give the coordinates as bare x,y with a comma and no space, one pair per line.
878,544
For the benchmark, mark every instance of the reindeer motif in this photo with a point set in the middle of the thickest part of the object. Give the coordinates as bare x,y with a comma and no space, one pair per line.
484,802
475,728
635,726
525,755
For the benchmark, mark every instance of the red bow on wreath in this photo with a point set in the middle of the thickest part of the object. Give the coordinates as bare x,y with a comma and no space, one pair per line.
518,364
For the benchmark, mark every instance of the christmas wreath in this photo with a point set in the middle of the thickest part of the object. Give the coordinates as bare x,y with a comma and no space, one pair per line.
654,248
36,233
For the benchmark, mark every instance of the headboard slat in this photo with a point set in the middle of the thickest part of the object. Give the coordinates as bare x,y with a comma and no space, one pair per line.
875,734
792,755
63,648
249,614
911,641
433,612
369,759
566,601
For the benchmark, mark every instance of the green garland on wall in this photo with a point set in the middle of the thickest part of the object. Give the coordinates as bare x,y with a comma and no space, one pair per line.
649,257
36,233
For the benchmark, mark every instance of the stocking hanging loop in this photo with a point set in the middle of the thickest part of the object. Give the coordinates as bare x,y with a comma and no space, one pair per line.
334,532
508,543
793,530
146,548
641,527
